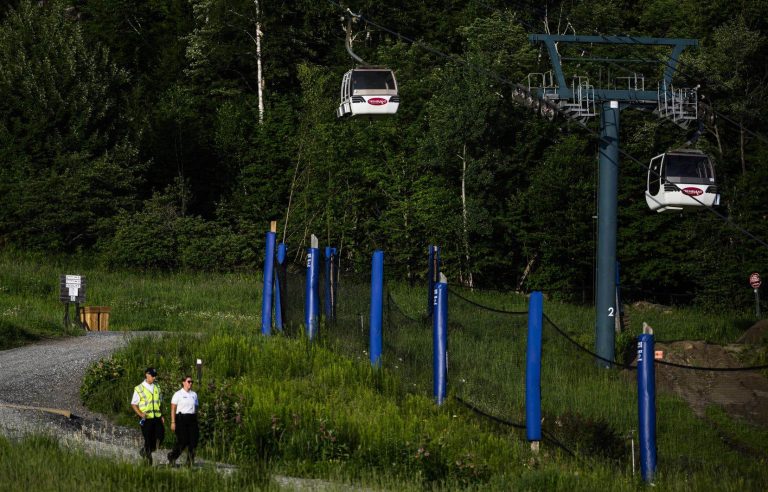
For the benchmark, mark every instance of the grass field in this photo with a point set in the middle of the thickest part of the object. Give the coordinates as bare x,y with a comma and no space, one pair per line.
282,405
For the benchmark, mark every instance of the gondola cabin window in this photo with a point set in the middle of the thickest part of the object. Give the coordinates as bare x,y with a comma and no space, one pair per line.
689,169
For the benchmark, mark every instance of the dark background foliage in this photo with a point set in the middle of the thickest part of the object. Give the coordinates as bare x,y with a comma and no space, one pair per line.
131,129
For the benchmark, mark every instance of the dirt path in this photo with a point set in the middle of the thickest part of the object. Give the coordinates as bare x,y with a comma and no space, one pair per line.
742,394
48,375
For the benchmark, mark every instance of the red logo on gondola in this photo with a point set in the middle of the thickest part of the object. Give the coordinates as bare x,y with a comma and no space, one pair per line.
377,101
691,191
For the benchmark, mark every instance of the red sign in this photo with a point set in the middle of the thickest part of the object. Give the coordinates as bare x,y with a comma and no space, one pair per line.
377,101
691,191
754,280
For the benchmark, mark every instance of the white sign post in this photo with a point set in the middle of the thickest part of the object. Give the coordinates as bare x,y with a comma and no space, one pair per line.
755,283
72,290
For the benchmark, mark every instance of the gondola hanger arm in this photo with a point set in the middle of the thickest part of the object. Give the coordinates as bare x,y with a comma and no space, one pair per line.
348,43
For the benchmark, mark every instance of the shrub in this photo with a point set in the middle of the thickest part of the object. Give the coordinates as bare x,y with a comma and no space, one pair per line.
161,237
101,383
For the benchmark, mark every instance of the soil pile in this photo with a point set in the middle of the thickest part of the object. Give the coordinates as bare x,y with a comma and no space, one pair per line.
742,394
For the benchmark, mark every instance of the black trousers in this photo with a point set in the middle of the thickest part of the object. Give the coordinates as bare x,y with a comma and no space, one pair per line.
187,434
153,431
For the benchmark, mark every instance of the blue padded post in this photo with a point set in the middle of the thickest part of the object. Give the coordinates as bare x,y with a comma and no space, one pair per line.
533,367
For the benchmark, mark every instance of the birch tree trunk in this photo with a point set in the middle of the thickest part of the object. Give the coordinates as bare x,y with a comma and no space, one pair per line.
259,73
465,215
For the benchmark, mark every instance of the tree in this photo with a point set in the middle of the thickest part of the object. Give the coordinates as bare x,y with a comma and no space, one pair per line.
68,155
467,119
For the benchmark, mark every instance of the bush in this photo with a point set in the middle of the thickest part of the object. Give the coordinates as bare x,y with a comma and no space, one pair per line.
161,237
101,383
13,335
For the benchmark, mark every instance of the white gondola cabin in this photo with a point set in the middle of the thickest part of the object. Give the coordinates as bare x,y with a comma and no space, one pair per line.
681,179
368,91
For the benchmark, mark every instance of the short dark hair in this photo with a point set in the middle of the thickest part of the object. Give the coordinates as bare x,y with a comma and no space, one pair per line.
185,378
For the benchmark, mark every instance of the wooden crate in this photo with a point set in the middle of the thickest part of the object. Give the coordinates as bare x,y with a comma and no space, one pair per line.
95,318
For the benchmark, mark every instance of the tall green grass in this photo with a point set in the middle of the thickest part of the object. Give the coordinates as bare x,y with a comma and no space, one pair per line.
39,463
320,410
30,308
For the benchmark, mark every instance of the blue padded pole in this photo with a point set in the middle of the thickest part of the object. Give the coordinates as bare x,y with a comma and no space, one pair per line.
533,367
266,294
377,301
280,287
312,298
440,342
327,283
646,402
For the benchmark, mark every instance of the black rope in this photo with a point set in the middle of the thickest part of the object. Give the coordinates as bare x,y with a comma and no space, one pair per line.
487,308
664,363
584,349
392,302
547,435
483,413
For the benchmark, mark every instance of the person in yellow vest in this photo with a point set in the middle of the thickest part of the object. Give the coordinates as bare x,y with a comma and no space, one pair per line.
146,401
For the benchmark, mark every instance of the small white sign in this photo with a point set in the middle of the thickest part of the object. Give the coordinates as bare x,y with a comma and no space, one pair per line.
73,279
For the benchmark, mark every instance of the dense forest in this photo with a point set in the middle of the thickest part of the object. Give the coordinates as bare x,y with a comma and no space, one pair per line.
167,134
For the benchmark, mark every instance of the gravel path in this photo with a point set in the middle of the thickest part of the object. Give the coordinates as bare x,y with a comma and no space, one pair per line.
48,375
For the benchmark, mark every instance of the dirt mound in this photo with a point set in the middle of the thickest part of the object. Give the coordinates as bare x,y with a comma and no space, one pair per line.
757,333
741,393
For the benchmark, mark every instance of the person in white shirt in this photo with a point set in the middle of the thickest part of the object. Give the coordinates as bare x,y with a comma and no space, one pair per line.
146,402
184,422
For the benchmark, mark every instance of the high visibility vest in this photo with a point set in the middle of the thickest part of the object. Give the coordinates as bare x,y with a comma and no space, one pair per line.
149,402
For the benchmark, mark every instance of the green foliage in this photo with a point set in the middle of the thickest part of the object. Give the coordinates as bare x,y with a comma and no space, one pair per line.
68,158
560,198
595,437
285,406
160,237
51,466
626,346
100,383
112,101
13,335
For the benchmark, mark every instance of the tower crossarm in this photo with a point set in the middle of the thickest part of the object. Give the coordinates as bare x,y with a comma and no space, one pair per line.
630,96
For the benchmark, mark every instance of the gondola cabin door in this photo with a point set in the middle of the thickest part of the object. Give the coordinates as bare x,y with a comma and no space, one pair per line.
368,91
681,179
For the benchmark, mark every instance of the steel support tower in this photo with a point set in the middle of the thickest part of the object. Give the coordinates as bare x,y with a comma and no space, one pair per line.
580,100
